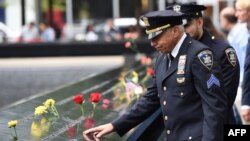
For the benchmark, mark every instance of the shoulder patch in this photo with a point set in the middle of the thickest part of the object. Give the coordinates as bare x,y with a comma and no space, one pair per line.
231,56
206,58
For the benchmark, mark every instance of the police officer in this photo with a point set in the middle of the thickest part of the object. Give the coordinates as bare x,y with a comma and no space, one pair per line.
187,86
224,53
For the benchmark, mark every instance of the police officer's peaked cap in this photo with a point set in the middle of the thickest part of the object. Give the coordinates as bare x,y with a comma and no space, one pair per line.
158,21
192,10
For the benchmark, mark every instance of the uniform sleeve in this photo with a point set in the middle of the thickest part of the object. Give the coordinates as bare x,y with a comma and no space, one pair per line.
207,79
231,74
144,107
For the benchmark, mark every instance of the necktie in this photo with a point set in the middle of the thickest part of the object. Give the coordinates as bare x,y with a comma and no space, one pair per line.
170,59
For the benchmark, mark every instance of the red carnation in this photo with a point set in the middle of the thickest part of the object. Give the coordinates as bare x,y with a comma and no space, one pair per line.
78,99
95,97
150,71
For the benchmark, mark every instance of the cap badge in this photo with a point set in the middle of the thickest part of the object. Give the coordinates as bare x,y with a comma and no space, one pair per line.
145,20
177,8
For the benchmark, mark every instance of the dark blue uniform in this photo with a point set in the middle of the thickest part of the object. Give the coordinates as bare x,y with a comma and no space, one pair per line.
189,93
227,58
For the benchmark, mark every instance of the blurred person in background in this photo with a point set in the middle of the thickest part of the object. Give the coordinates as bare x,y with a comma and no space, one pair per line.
243,15
90,34
30,33
47,33
111,33
224,53
210,27
238,39
131,33
228,22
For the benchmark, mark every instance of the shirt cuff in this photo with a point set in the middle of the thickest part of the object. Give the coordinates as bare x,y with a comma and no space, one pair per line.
244,107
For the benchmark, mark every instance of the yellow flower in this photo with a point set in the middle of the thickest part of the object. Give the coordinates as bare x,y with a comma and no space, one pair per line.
12,123
49,103
40,110
135,77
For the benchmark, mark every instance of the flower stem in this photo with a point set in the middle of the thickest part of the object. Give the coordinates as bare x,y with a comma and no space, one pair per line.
94,107
82,110
55,111
15,132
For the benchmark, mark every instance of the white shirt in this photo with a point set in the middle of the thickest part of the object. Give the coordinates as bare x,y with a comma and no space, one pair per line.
177,47
237,38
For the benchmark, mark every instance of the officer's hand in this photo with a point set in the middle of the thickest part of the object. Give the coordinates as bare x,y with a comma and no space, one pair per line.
246,114
91,137
97,132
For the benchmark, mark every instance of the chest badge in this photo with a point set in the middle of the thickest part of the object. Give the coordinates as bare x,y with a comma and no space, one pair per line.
231,56
206,58
182,64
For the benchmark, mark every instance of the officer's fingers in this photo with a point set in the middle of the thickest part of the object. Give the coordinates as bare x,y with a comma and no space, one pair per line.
92,130
88,137
96,138
107,128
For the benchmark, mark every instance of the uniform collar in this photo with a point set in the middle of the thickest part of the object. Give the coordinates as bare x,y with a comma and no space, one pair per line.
178,46
206,38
